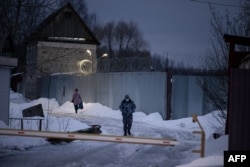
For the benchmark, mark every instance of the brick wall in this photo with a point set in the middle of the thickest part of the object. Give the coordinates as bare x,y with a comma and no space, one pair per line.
47,58
65,57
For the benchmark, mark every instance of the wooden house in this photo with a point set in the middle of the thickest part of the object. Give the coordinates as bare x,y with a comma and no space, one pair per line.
62,43
238,125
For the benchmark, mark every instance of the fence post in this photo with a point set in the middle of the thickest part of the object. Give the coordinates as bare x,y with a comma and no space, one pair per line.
202,149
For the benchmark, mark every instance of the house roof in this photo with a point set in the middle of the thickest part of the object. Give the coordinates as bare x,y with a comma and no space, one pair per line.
237,57
64,25
237,39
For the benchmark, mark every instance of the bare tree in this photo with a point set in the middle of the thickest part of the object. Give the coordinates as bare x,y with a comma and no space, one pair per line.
128,38
125,45
121,39
19,18
108,37
216,58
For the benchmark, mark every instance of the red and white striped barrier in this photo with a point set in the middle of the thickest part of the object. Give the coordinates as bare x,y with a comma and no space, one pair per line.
85,136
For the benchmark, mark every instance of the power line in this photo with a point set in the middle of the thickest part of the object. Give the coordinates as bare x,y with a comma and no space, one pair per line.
220,4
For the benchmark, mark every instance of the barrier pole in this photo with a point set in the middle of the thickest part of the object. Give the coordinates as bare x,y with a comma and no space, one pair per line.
87,136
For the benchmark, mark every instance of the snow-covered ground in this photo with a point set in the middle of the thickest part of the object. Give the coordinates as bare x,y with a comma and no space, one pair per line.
34,151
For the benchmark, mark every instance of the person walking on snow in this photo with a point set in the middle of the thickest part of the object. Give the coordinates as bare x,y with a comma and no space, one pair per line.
77,100
127,108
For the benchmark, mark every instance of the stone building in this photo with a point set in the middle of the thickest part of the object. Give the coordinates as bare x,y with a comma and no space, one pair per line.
62,43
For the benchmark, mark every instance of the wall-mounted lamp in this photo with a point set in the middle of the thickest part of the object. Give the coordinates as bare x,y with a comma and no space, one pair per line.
89,52
104,55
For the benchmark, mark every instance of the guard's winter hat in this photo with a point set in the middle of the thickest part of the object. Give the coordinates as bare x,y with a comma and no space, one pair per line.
126,96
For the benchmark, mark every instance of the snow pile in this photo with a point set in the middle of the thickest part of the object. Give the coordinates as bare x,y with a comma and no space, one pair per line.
63,119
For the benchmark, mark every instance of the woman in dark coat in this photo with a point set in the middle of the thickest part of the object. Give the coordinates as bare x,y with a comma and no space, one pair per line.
77,100
127,108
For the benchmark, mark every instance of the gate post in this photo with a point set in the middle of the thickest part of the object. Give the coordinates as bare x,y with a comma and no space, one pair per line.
169,93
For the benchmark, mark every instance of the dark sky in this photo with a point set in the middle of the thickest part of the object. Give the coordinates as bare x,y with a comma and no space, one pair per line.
177,28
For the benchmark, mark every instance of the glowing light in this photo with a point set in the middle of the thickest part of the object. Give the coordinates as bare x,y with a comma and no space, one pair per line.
105,55
85,66
67,38
89,52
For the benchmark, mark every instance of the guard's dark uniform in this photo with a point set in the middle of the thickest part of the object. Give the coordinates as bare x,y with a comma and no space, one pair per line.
127,108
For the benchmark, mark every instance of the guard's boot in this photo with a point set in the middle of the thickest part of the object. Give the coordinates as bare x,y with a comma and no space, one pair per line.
129,133
125,131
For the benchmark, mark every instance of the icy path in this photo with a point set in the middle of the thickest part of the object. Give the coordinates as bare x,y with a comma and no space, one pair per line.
107,154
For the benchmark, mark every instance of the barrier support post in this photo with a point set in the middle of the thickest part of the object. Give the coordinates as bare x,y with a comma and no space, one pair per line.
202,149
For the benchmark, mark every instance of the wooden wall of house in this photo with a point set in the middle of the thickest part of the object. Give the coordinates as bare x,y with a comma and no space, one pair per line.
239,110
65,24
